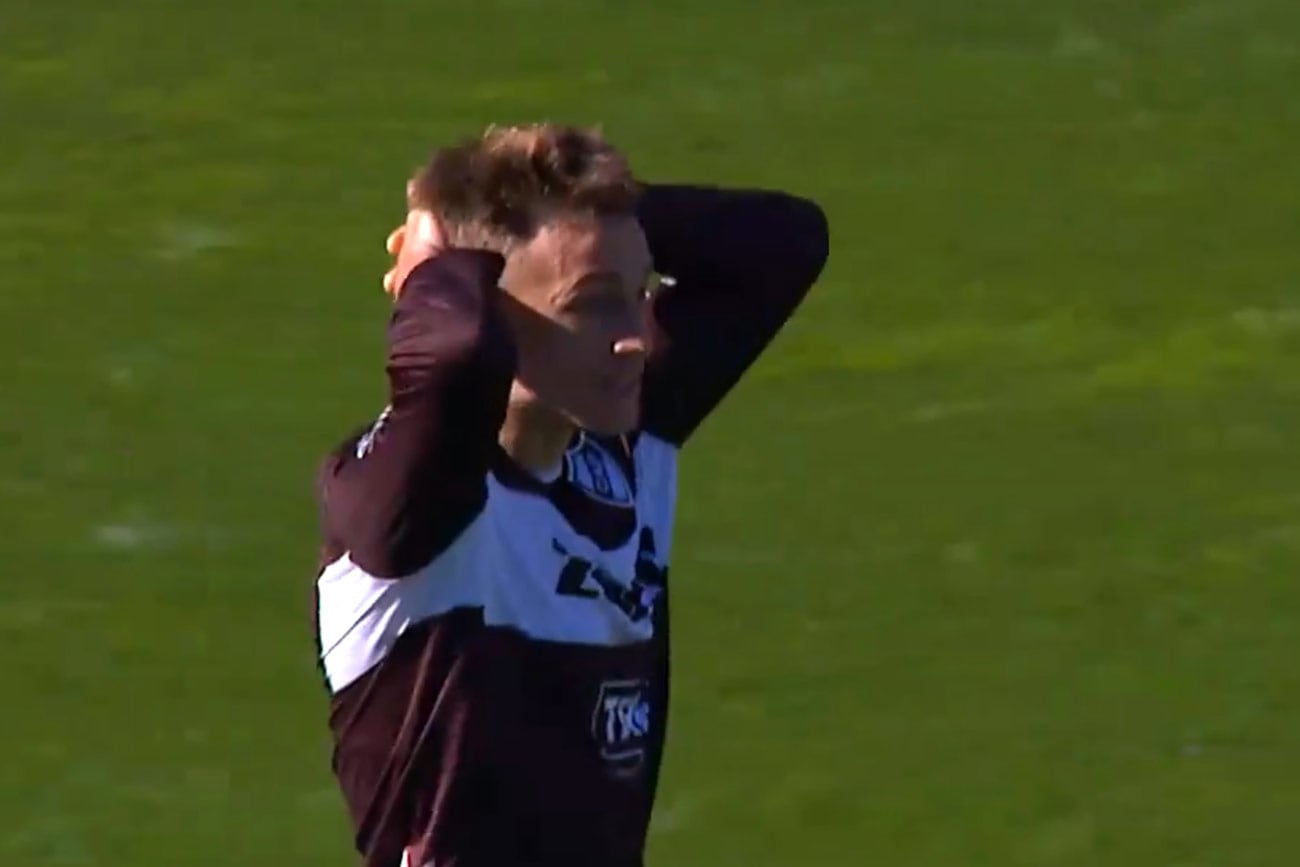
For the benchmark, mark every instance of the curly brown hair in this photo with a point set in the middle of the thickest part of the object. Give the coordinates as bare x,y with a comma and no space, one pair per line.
495,190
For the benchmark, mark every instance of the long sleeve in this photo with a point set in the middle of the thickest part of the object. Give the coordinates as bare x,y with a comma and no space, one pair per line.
742,261
397,496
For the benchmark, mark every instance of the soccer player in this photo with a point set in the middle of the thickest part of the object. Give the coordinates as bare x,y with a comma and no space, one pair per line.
492,607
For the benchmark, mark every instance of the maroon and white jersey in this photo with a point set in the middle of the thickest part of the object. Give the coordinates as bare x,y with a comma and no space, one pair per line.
495,645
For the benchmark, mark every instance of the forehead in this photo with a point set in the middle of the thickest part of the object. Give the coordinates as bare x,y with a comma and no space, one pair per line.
574,247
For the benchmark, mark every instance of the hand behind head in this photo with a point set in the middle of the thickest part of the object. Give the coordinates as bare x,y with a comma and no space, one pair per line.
421,238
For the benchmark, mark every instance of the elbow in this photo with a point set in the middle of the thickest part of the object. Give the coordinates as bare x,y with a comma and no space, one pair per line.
807,233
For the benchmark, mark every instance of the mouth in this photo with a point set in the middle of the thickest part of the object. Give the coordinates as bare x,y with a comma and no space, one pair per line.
624,387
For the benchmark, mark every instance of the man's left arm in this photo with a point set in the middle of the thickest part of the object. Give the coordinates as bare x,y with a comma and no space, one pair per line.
741,262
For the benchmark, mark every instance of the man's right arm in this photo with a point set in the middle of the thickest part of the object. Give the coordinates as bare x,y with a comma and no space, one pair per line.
401,494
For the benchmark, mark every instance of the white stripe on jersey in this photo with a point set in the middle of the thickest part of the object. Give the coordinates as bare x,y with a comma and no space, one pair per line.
507,563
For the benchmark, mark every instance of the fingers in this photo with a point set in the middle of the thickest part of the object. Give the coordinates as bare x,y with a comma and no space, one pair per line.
427,233
418,239
420,229
394,243
396,238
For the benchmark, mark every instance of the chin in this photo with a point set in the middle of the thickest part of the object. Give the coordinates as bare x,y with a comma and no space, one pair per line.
611,421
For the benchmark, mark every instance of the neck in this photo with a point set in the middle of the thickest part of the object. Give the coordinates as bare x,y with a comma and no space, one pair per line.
535,437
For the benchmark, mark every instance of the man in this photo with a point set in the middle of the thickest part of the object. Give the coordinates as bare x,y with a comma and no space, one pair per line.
492,608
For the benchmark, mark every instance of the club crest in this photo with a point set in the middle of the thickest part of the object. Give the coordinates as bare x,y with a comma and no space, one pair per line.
594,471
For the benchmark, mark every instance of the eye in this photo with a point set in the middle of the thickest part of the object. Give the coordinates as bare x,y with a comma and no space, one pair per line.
603,301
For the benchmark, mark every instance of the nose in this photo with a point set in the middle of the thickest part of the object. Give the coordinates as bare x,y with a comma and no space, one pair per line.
634,337
631,345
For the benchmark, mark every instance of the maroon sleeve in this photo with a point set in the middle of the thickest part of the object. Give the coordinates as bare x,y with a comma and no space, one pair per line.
742,261
397,496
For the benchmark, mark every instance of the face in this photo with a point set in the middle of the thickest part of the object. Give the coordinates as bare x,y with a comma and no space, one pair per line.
581,317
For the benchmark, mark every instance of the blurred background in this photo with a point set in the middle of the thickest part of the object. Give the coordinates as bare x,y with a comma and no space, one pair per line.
991,561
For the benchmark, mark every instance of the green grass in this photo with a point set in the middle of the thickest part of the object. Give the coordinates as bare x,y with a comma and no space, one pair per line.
992,560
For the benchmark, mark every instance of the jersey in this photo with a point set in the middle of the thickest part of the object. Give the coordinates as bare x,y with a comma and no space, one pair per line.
495,646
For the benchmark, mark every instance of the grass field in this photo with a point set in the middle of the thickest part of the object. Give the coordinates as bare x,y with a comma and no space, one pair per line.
992,561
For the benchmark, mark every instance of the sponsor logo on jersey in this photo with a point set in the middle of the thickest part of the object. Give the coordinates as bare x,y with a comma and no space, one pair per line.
584,579
621,724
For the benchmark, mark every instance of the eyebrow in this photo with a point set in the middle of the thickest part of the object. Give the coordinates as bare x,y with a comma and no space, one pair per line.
606,278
